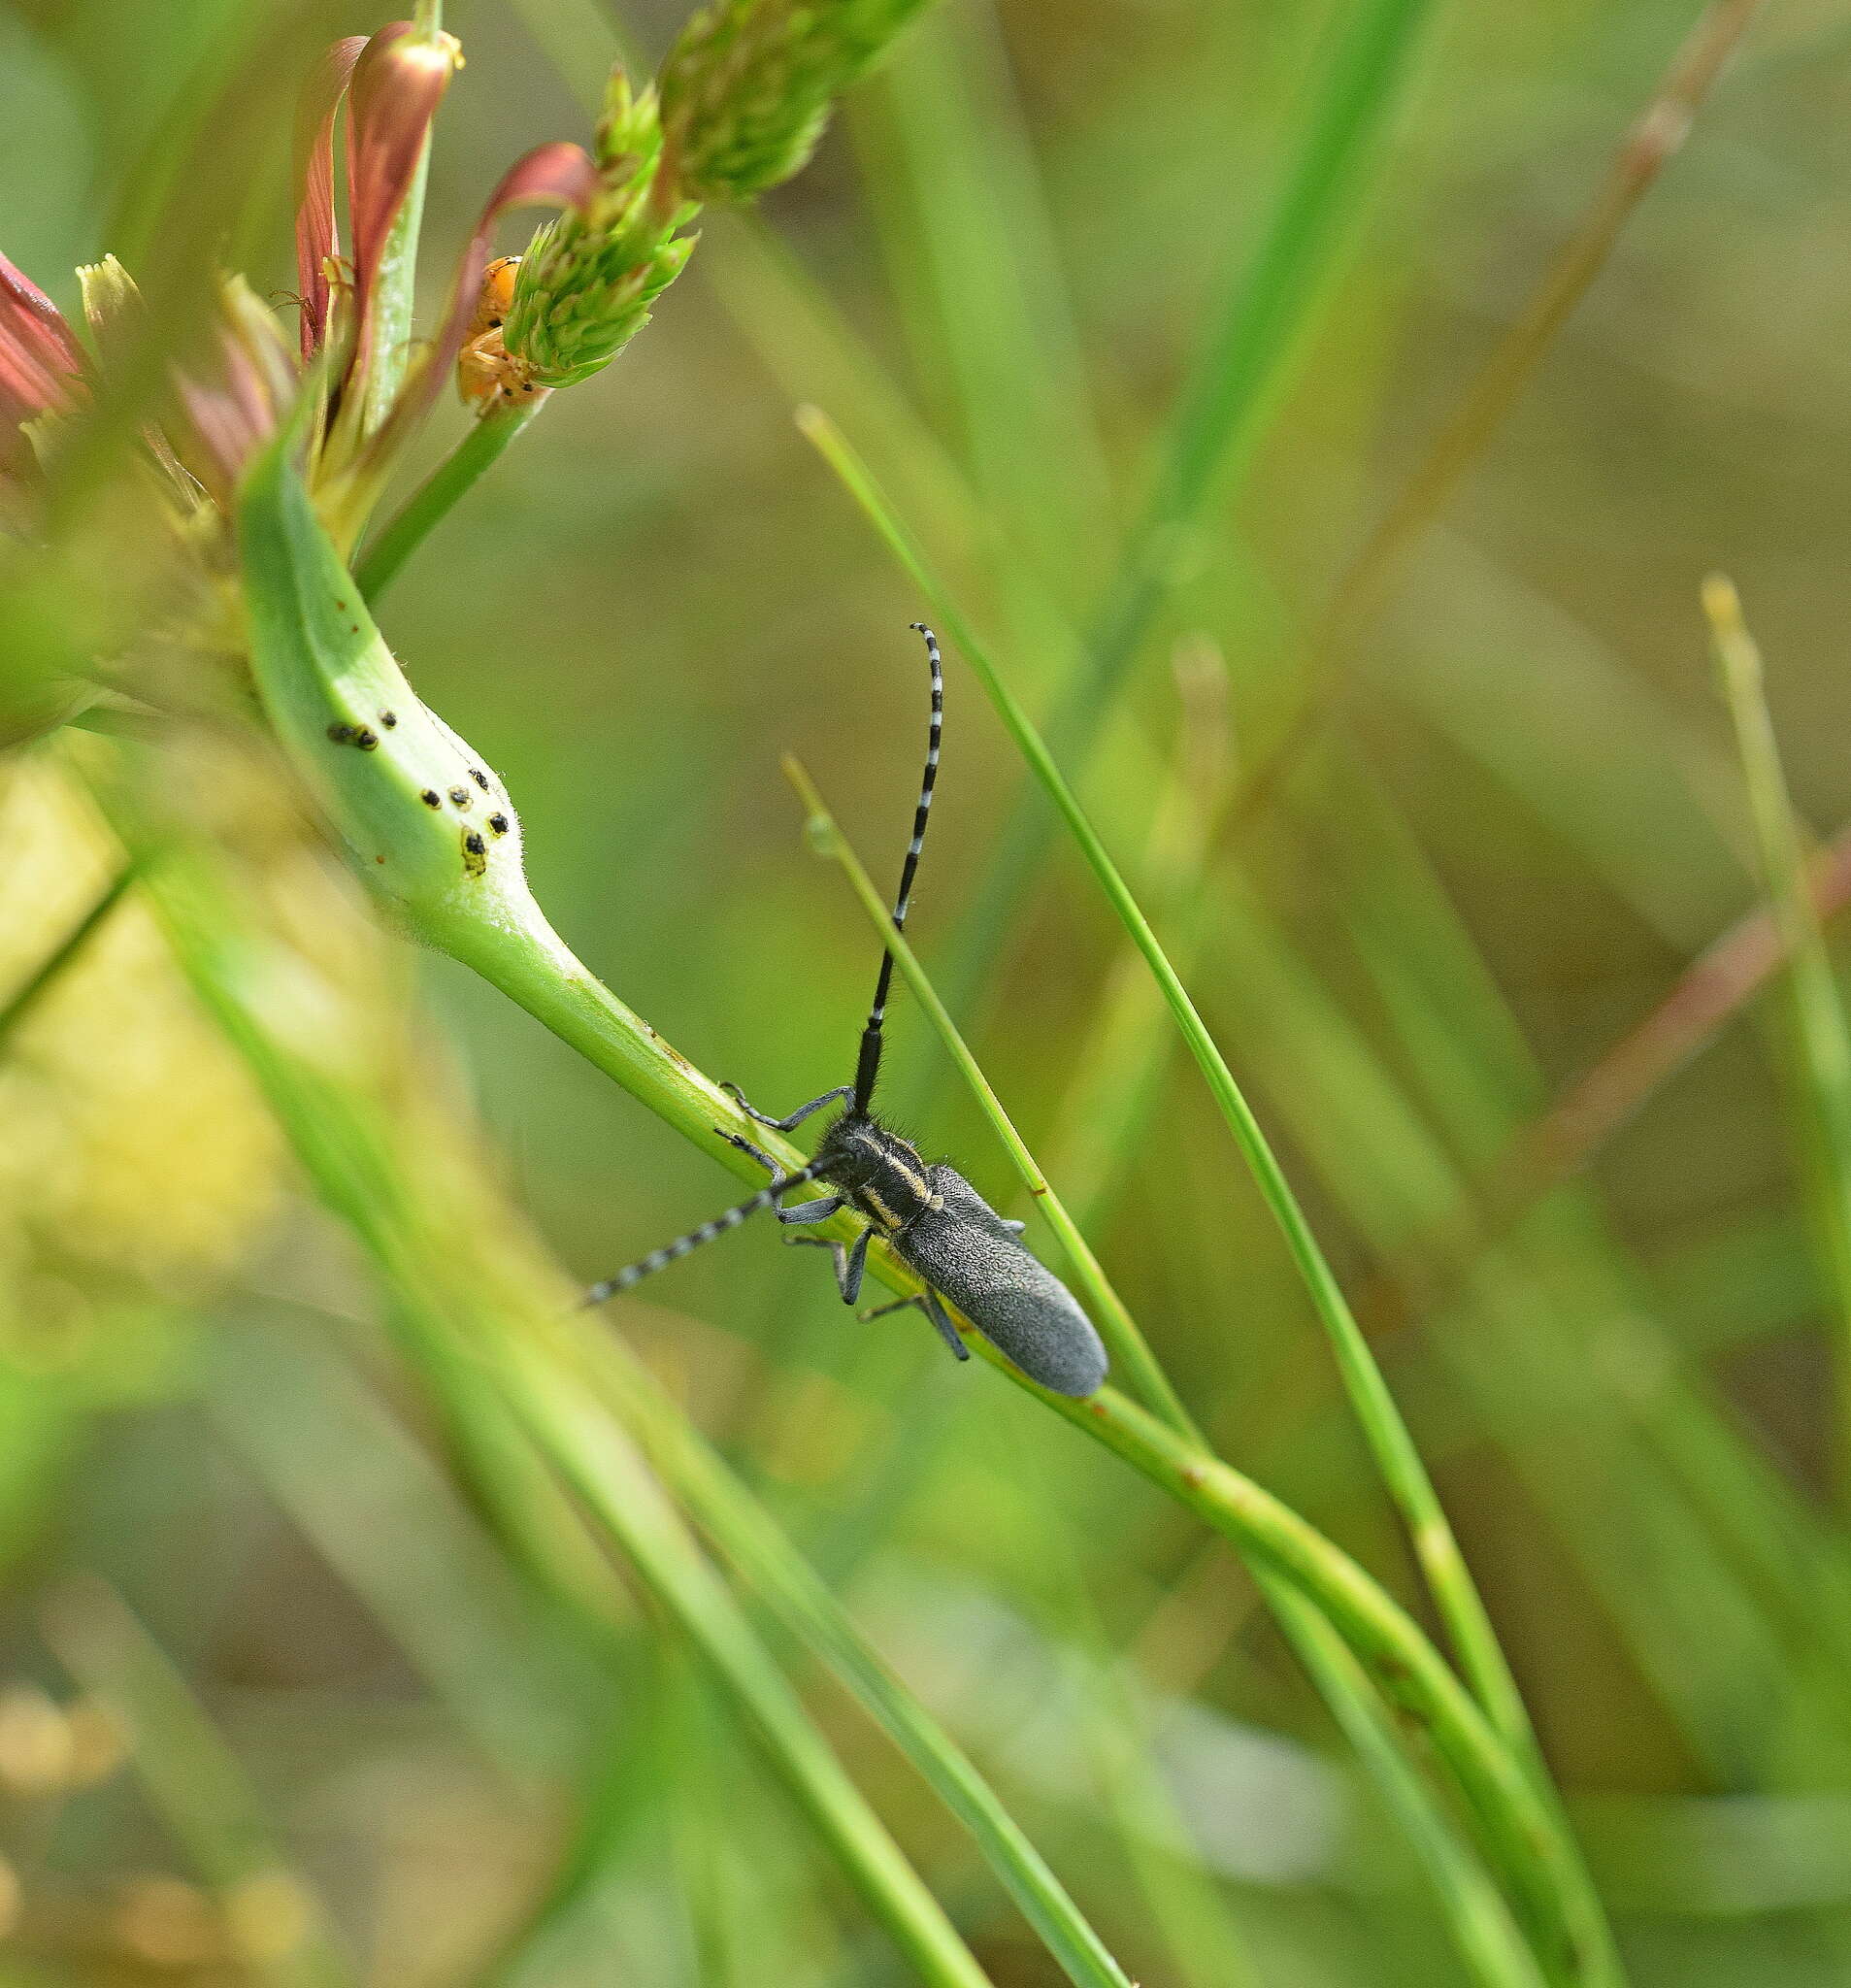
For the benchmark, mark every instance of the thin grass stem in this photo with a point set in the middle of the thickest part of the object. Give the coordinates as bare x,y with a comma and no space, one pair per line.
1436,1547
1393,1446
343,1143
1272,297
32,990
196,1786
1488,1936
1653,138
1122,1333
1821,1040
760,1553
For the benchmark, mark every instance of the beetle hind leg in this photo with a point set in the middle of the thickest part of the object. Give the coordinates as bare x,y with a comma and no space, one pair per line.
927,1302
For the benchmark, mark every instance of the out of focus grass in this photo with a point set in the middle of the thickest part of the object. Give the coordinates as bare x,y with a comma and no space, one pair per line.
1145,317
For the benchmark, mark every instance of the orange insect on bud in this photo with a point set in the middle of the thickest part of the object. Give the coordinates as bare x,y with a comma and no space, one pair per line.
488,374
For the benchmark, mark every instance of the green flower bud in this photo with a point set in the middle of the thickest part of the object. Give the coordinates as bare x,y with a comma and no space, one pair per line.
588,279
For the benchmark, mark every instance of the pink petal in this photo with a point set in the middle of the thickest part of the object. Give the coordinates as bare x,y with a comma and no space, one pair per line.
42,365
316,235
246,395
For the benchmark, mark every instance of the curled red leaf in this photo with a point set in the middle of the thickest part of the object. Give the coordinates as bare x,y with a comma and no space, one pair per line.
398,82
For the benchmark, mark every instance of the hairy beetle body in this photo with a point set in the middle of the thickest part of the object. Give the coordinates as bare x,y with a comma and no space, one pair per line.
940,1226
962,1249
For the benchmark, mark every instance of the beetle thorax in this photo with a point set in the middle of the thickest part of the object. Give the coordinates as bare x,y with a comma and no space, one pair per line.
883,1175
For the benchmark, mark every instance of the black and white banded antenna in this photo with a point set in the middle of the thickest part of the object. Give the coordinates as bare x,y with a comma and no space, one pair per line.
868,1068
867,1065
671,1252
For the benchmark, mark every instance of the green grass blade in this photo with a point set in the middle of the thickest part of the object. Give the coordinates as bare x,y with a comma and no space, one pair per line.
752,1543
195,1784
1246,358
1400,1463
20,1001
626,1499
1121,1331
344,1145
977,279
1244,363
1481,1921
393,1528
1435,1545
1107,1108
343,1141
1529,1342
1821,1037
1488,1937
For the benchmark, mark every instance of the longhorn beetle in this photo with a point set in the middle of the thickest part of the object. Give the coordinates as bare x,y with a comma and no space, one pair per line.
935,1221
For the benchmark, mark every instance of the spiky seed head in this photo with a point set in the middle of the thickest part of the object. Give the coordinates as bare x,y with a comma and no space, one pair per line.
588,279
747,86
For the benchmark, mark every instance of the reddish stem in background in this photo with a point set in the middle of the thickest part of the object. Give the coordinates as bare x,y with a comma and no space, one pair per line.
1653,138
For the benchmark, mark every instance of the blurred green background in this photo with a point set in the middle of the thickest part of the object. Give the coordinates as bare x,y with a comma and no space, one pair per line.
1512,820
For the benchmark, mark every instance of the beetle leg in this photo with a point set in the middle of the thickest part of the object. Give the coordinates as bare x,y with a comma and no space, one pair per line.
745,1146
796,1118
818,1210
928,1302
850,1262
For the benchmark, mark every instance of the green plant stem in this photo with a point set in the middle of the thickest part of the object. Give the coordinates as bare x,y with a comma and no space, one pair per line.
1489,1938
1487,1934
14,1010
343,1143
754,1547
1237,377
1403,1471
434,499
1821,1038
1435,1545
1655,137
335,1138
611,1480
1518,1822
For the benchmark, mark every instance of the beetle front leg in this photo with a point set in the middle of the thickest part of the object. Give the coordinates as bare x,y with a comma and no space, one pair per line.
818,1210
793,1120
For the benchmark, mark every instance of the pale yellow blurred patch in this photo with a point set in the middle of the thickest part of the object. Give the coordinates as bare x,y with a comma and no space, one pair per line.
36,1748
168,1923
138,1160
268,1915
47,1748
